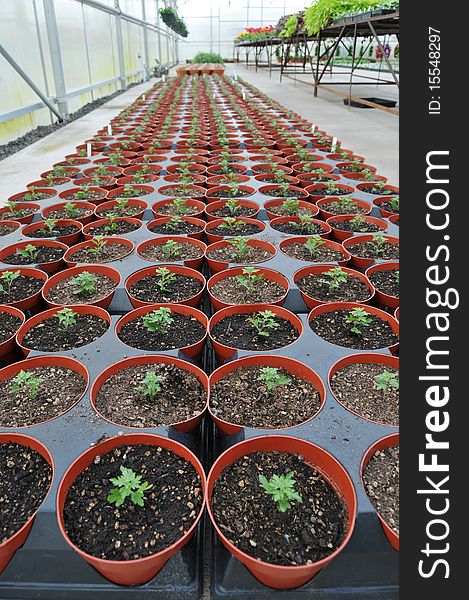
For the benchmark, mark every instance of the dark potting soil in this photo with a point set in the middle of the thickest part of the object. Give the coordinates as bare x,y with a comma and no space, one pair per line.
323,254
58,390
336,208
109,253
181,192
63,214
182,288
121,228
237,229
58,231
325,193
186,251
6,229
369,250
130,531
251,520
21,288
228,254
227,194
9,325
128,211
85,195
17,214
35,196
230,291
229,169
363,227
135,192
377,191
181,228
388,206
183,331
170,210
64,292
182,397
241,211
278,193
45,254
355,387
386,282
26,477
49,336
294,228
381,479
236,331
316,286
332,327
281,211
242,399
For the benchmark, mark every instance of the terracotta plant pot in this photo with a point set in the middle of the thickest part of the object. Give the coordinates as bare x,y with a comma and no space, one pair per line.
105,182
69,239
341,236
386,214
31,301
11,224
326,229
325,214
301,204
195,204
331,306
317,270
193,168
194,350
212,206
111,171
387,300
174,268
11,545
392,188
21,206
73,272
100,222
88,243
269,274
51,192
140,205
212,238
298,168
212,193
342,166
263,168
162,220
192,191
291,365
364,263
363,358
383,443
49,267
153,169
275,576
119,192
8,346
299,192
78,204
128,572
224,352
327,244
316,191
192,263
149,359
216,266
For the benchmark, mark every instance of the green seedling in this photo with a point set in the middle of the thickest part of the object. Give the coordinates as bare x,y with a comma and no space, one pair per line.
284,187
233,188
232,205
250,278
6,280
102,170
173,223
84,284
358,318
164,278
394,203
130,191
30,252
26,384
331,188
66,317
230,223
49,228
158,320
272,378
263,321
151,385
397,276
305,224
83,193
98,245
379,244
128,485
334,278
313,244
346,204
282,490
180,204
71,210
386,380
241,247
291,206
171,249
113,225
359,223
59,171
13,211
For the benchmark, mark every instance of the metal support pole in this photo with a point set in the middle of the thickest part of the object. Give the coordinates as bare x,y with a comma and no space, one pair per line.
30,82
56,56
145,42
160,57
390,67
352,69
120,50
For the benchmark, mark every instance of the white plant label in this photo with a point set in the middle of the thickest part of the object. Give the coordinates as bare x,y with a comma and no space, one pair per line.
334,144
143,97
109,129
313,128
88,150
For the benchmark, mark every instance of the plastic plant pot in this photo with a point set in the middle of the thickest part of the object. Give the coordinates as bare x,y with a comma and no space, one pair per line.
298,192
139,205
137,571
80,309
366,358
396,313
197,205
11,545
316,191
386,300
325,214
49,267
265,168
50,193
392,188
31,301
275,576
299,167
192,263
213,206
266,178
20,206
101,222
8,346
73,272
269,274
340,235
194,300
291,365
89,243
343,167
69,239
212,238
217,180
105,182
379,201
317,270
71,172
191,191
326,229
307,179
78,204
357,261
194,350
307,206
54,181
11,224
54,360
150,359
216,266
119,192
195,179
339,156
194,167
327,244
372,310
151,169
224,352
212,194
363,177
385,442
198,235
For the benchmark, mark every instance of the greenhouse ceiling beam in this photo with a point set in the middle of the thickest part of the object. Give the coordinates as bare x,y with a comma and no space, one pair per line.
30,82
